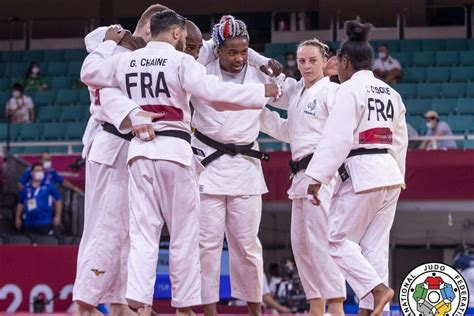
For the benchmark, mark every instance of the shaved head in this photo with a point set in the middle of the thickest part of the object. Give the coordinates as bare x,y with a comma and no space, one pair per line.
193,40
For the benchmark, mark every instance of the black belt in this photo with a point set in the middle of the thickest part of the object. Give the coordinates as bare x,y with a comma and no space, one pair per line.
170,133
228,149
302,164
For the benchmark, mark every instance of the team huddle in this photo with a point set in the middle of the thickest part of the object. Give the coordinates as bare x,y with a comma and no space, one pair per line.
172,141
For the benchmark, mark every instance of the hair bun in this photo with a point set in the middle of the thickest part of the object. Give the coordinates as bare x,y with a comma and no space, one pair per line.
357,31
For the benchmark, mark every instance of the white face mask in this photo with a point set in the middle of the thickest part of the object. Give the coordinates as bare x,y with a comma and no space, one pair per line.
35,70
16,94
38,176
430,124
291,63
47,164
382,55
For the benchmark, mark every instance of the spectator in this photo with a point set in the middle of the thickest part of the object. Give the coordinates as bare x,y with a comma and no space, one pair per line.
386,67
437,128
20,107
269,301
291,67
51,175
34,81
35,212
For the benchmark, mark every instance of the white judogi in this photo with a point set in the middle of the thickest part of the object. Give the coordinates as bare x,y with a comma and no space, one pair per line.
308,110
231,189
162,183
105,240
367,114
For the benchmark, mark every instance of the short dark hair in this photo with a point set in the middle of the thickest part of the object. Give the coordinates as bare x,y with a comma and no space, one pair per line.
18,86
165,20
287,54
384,45
36,164
356,47
146,15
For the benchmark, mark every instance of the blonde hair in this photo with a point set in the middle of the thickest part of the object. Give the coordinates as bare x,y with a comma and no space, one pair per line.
146,15
323,48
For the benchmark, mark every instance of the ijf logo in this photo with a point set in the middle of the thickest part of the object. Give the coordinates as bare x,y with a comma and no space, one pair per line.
434,289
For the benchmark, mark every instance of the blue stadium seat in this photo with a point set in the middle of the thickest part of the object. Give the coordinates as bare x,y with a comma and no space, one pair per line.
48,113
453,90
74,131
406,90
77,148
57,149
461,123
424,59
470,44
428,90
466,58
84,97
54,131
33,55
58,83
66,97
17,149
444,106
87,114
410,45
19,69
405,58
75,54
56,68
437,74
45,97
4,95
470,90
447,58
465,106
71,113
272,50
53,55
291,47
417,106
455,44
416,121
462,74
35,149
432,45
12,57
32,131
468,144
74,68
414,74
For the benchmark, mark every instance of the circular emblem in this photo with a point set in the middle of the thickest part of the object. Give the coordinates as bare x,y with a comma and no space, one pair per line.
434,289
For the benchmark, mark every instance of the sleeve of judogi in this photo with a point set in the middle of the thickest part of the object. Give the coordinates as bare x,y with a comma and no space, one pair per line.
272,124
338,137
98,69
220,95
289,86
117,106
94,38
400,139
255,59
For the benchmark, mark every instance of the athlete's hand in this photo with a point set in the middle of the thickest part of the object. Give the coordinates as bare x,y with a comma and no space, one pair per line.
115,33
272,90
18,223
313,190
273,68
154,116
144,131
132,42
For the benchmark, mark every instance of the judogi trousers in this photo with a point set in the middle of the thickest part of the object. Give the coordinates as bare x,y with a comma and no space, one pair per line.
359,232
238,217
163,192
103,252
319,273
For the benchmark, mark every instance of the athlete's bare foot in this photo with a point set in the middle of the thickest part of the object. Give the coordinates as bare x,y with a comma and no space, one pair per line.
84,309
382,296
121,310
210,309
185,311
335,306
144,310
363,312
255,309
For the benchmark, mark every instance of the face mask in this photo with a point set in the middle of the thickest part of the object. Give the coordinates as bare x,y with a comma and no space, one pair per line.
16,94
47,164
35,70
382,55
38,176
430,124
291,63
